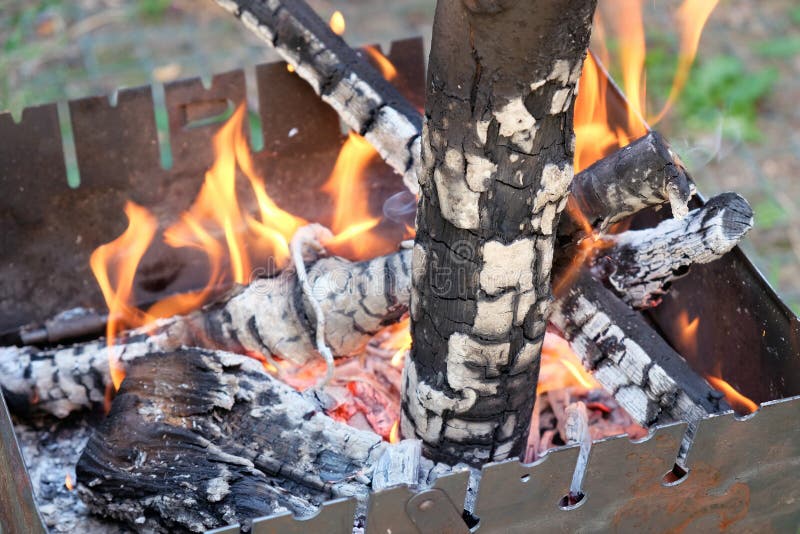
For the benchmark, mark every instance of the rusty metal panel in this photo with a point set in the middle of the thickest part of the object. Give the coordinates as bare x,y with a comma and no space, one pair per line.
407,56
335,517
744,475
396,510
295,120
18,512
35,202
622,482
191,109
50,230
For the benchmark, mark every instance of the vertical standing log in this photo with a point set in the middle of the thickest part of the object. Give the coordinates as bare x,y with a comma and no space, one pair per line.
497,156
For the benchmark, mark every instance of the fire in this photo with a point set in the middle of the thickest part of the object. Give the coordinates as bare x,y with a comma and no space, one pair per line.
688,340
236,224
596,136
68,482
394,434
688,333
561,367
121,257
384,65
351,217
337,23
739,403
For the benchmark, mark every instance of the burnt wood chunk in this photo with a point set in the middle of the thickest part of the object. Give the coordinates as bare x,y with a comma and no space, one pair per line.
198,439
642,264
497,155
270,316
364,100
631,360
645,173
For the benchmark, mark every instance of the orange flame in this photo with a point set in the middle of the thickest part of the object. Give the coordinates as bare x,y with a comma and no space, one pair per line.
337,23
688,333
561,367
688,340
596,136
351,217
394,433
122,256
739,403
68,482
384,65
692,17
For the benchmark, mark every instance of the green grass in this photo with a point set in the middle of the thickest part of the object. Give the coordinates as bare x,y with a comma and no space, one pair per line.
780,48
153,9
769,214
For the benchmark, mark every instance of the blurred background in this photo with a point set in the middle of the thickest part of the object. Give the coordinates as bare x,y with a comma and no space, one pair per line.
736,125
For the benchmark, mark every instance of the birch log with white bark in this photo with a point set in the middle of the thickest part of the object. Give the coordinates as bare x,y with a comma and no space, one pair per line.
497,155
631,360
364,100
269,317
641,265
644,173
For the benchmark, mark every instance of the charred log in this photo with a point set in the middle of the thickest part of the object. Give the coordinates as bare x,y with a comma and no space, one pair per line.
645,173
642,264
364,100
497,157
198,439
271,316
646,376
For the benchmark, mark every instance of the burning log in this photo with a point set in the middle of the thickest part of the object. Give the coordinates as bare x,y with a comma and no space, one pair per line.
364,100
645,173
271,316
642,264
646,376
497,157
198,439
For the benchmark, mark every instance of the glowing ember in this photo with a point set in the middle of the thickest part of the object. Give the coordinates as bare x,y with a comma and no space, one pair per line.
394,434
68,483
337,23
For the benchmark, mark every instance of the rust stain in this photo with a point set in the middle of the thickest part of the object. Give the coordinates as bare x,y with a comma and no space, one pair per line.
701,495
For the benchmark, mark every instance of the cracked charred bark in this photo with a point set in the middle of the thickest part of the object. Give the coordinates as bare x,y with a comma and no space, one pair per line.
497,164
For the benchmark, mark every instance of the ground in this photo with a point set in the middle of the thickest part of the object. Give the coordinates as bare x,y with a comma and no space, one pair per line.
737,126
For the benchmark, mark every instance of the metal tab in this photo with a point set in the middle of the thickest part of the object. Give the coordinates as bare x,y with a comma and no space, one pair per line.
335,517
621,487
432,512
389,512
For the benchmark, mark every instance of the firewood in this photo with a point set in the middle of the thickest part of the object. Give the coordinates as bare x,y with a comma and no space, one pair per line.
497,155
364,100
646,376
198,439
639,268
271,316
645,173
641,265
